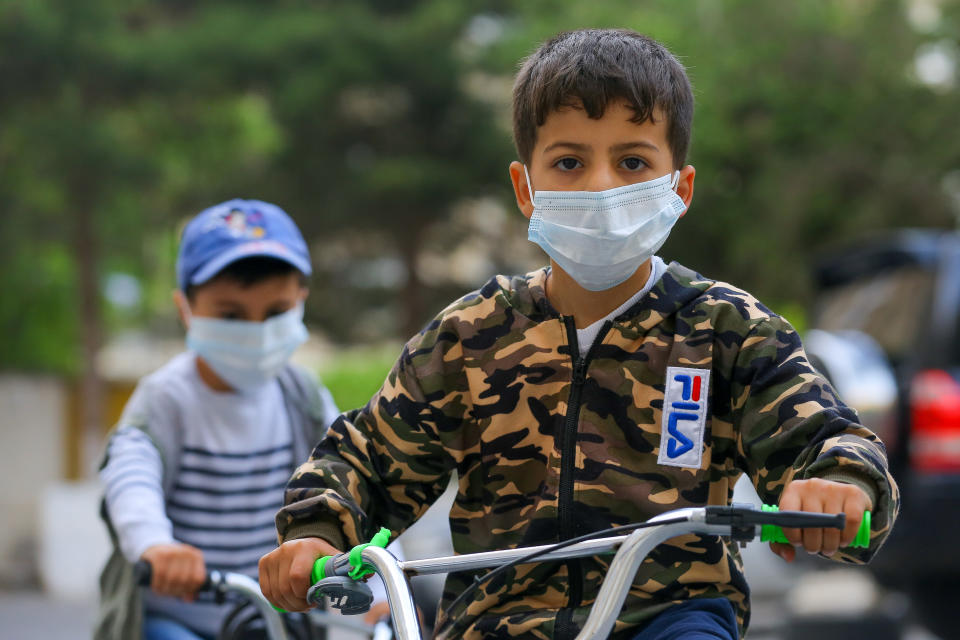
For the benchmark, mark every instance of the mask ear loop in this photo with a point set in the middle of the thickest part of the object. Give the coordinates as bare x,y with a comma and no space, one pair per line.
529,188
675,181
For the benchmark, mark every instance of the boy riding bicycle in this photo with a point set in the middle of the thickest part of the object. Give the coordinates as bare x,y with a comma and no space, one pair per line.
192,472
605,389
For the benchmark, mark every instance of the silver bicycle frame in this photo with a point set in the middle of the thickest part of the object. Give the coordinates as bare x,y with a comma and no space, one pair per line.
633,549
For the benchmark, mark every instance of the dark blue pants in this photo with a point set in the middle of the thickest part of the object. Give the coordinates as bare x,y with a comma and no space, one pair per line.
697,619
156,628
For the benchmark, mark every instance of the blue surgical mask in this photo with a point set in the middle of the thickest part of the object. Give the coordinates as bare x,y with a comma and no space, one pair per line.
247,355
601,238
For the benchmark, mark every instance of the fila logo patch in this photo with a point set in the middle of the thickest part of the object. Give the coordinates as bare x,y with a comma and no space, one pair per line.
684,417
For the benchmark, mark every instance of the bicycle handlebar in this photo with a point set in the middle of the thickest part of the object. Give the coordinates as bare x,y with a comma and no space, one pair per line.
740,523
219,583
772,531
143,575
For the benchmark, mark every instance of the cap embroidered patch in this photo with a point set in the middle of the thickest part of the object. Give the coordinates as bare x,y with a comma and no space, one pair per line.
684,417
244,224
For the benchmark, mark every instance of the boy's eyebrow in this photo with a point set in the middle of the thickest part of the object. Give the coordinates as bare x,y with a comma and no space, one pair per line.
228,303
576,146
623,146
585,148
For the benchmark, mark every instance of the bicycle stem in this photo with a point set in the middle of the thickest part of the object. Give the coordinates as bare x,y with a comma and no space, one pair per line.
399,596
619,578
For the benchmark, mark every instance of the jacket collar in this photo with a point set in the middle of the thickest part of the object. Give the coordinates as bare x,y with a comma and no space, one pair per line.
679,286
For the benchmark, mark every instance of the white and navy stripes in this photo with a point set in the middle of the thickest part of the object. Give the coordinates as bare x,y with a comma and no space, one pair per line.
224,503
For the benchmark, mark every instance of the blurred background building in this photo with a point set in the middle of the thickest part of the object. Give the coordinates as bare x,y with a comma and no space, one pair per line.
383,128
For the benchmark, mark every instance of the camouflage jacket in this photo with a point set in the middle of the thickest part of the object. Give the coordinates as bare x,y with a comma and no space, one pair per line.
548,446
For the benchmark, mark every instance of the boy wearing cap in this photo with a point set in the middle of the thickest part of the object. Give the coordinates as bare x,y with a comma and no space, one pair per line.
605,389
194,471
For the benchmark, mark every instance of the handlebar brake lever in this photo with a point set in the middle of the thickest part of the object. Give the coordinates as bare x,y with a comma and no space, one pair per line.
216,584
739,517
744,519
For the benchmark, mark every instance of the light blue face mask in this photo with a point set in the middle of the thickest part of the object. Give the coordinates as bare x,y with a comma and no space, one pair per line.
247,355
601,238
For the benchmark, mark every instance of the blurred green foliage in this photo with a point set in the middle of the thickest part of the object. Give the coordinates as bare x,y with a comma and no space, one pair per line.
369,121
355,374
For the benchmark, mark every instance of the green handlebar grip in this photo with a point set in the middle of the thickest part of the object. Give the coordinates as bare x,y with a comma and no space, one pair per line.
319,571
325,567
774,533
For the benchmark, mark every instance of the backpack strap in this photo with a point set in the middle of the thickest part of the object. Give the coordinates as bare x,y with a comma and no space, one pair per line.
306,408
120,613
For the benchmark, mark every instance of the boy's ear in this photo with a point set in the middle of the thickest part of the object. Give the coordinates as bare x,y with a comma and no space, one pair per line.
521,190
183,307
685,186
304,292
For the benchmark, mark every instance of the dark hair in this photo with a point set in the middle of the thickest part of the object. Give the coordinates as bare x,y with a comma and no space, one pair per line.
595,66
250,271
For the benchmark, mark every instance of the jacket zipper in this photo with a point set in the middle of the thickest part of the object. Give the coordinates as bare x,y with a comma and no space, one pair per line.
563,627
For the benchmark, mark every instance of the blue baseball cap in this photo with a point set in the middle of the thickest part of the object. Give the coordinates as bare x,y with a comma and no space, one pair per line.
234,230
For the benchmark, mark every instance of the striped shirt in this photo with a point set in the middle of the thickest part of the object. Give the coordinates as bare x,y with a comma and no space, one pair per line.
236,456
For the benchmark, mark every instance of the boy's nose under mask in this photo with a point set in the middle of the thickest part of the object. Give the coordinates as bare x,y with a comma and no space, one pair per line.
601,238
247,355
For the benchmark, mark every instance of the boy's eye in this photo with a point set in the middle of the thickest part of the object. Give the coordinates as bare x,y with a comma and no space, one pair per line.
567,164
633,163
230,315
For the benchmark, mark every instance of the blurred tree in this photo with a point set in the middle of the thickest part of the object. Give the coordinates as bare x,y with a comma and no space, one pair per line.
59,157
384,140
120,119
377,131
372,120
86,177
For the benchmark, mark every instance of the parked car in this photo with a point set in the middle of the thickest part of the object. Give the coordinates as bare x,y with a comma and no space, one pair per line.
886,332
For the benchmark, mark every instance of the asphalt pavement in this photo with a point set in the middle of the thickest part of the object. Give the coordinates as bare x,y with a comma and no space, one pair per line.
31,615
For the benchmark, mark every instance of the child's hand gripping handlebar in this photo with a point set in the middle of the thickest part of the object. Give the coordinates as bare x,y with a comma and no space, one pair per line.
774,532
339,578
770,522
143,574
